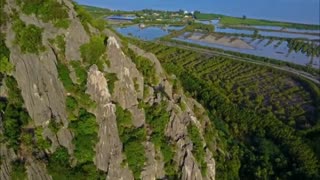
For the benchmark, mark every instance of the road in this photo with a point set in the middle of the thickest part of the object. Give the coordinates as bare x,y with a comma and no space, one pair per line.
315,79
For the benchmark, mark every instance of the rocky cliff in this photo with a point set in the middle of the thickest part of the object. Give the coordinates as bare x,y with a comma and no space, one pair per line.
96,106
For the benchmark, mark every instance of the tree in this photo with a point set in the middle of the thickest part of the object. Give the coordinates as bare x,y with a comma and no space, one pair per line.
5,66
244,17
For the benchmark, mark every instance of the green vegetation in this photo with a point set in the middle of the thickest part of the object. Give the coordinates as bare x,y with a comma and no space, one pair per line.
132,139
199,27
59,168
234,21
18,171
86,19
145,66
3,15
111,78
5,66
42,143
312,71
96,12
64,72
91,52
198,147
310,49
260,114
85,129
158,118
47,10
60,43
14,115
28,37
80,72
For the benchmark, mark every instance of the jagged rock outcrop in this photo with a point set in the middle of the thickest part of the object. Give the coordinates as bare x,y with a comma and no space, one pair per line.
109,148
125,92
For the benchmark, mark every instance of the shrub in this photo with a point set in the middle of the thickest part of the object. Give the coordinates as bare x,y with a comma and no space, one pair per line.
14,115
64,76
5,66
132,139
92,51
80,72
28,37
42,143
158,118
85,129
59,167
198,149
47,10
145,66
112,78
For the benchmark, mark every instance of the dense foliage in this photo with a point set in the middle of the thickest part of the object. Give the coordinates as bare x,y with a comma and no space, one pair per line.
3,15
198,147
86,19
132,139
5,66
28,37
47,10
144,66
60,168
14,115
255,138
157,118
85,128
91,52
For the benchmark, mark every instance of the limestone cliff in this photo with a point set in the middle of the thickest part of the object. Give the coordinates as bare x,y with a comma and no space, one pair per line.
92,106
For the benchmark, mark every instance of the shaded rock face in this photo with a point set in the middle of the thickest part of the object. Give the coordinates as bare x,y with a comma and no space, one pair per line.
109,148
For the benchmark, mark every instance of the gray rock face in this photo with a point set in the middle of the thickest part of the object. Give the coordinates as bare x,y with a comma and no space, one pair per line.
124,92
37,170
154,168
65,139
37,77
7,156
75,37
42,92
109,148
